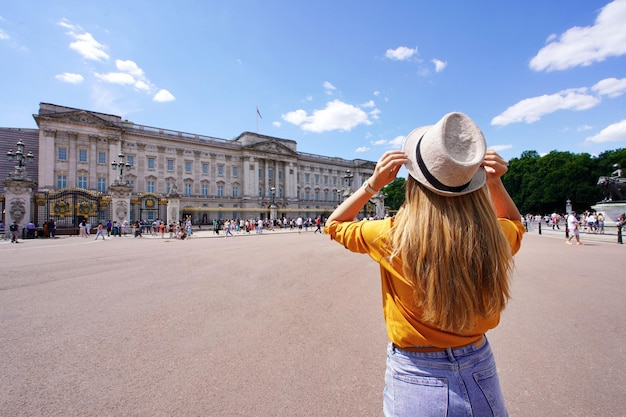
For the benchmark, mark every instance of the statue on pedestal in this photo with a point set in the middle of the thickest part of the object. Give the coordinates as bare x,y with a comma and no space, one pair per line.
613,187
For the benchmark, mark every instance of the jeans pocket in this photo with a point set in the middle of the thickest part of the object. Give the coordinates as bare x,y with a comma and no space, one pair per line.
489,384
410,395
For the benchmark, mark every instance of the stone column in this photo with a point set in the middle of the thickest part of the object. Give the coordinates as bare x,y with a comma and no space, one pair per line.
173,208
18,198
120,203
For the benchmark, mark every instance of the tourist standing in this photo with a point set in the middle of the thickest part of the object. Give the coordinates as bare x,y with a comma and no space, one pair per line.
99,231
573,225
443,288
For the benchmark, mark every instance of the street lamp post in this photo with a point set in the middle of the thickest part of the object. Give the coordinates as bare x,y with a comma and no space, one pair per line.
273,206
568,211
348,179
21,161
119,167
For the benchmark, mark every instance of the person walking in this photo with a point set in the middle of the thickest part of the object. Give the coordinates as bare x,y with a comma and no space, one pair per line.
99,231
318,225
573,225
444,287
229,232
14,228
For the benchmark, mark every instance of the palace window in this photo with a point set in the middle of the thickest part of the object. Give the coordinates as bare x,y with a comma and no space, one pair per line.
220,190
150,163
235,172
102,184
82,182
61,181
188,167
187,188
205,190
102,158
235,191
150,186
170,165
205,169
220,170
62,154
82,155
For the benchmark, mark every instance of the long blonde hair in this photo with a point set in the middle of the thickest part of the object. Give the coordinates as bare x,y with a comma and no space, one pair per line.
455,255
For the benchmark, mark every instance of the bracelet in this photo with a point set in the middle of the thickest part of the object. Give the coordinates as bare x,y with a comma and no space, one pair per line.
368,188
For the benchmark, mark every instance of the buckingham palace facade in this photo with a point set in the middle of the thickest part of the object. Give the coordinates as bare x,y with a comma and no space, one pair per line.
250,176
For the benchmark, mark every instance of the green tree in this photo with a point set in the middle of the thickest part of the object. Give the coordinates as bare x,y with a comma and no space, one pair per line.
394,193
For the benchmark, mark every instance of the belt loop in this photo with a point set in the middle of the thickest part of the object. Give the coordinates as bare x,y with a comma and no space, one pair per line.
451,357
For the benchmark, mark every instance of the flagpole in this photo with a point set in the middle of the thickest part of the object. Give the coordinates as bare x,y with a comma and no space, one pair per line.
258,114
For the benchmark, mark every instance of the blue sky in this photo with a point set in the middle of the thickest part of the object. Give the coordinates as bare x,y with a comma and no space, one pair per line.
342,78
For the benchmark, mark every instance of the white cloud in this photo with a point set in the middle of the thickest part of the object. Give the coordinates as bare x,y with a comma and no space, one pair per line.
586,45
401,53
379,142
116,78
397,142
3,35
329,88
499,148
276,124
130,67
71,78
612,133
375,114
362,149
368,104
532,109
163,96
439,65
583,128
84,43
336,116
611,87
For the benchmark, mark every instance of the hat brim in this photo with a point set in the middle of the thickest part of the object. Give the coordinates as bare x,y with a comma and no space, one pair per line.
410,148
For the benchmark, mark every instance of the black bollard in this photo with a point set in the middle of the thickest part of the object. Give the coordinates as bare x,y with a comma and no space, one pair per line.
566,231
539,226
619,234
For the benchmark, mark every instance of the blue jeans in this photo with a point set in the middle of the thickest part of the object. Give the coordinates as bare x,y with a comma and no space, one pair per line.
456,382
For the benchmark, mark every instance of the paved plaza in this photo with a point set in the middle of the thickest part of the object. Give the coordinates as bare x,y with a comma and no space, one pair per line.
280,324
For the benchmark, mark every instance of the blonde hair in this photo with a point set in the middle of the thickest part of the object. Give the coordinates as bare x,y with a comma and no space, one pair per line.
455,255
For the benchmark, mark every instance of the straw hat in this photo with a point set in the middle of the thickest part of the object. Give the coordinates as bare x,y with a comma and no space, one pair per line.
446,156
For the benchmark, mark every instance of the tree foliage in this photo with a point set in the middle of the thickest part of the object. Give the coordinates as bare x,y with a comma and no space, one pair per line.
394,193
542,184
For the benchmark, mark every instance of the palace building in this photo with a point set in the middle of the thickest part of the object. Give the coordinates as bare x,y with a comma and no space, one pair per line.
113,163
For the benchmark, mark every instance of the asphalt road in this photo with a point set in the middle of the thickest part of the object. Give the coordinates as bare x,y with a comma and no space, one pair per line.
279,324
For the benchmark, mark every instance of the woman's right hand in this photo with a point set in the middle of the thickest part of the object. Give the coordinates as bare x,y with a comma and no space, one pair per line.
387,169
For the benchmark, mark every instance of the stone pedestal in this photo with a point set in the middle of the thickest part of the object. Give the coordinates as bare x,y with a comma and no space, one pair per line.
611,210
18,200
120,203
173,209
